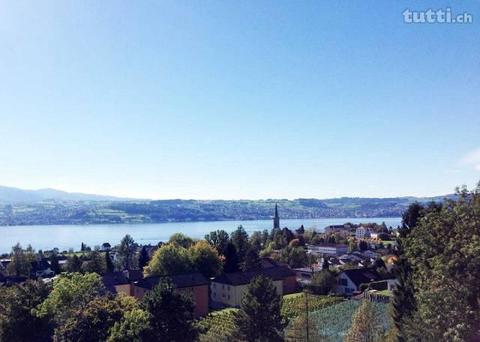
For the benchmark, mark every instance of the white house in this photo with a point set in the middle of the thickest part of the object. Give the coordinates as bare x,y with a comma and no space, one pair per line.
327,249
362,233
349,281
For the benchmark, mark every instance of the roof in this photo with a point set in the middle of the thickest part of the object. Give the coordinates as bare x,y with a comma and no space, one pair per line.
333,245
179,280
110,280
133,275
242,278
362,275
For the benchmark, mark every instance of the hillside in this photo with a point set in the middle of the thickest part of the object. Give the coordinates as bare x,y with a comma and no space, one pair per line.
57,207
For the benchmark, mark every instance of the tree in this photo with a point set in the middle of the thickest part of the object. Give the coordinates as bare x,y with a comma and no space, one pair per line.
126,252
231,259
170,259
96,263
323,282
366,325
21,261
108,262
362,245
256,240
171,314
17,321
74,264
443,250
54,265
91,322
218,239
252,260
294,256
239,238
71,291
143,258
133,327
205,259
259,318
181,240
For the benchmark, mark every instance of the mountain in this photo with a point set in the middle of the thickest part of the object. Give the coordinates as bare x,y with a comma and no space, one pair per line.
11,195
49,206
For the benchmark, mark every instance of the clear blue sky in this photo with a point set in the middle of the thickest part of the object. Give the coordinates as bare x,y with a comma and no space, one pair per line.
238,99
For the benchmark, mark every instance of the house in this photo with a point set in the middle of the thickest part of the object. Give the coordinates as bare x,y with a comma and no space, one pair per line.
41,269
327,249
229,288
362,233
305,274
342,229
106,247
117,282
195,285
349,281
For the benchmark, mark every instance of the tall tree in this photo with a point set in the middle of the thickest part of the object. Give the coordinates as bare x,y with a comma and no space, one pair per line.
239,239
54,265
181,240
74,264
133,327
231,259
171,314
21,261
143,258
443,250
109,263
252,260
259,318
218,239
205,259
126,252
170,259
17,320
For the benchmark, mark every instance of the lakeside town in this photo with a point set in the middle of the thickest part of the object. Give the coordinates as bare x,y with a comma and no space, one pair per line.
313,275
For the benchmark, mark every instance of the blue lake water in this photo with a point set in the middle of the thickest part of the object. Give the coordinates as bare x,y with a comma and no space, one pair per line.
71,236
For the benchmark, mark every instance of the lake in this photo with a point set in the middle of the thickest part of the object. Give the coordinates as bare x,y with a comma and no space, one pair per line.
71,236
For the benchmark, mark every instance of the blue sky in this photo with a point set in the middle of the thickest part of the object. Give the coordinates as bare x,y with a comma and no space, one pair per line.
238,99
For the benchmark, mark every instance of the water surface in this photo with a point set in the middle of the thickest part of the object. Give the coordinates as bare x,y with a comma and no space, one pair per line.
71,236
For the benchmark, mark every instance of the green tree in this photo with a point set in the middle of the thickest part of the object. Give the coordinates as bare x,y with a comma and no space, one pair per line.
366,325
218,239
91,322
54,265
259,318
17,321
205,259
323,282
143,258
231,259
294,256
96,263
21,261
171,314
169,259
252,260
443,250
109,263
239,238
133,327
70,292
126,252
74,264
181,240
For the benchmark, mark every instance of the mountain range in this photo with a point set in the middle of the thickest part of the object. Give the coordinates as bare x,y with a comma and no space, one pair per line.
50,206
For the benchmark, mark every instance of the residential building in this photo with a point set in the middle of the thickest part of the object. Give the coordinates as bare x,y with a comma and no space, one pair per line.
362,233
349,281
305,274
327,249
229,288
194,285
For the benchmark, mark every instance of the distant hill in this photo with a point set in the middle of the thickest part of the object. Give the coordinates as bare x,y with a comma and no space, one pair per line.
49,206
14,195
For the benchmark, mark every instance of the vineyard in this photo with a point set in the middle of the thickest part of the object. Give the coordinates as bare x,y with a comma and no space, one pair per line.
334,321
294,304
219,325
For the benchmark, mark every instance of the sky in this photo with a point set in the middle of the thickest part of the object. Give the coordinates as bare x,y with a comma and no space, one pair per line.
238,99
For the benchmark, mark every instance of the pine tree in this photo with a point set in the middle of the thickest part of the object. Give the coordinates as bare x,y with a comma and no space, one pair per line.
259,318
108,262
143,258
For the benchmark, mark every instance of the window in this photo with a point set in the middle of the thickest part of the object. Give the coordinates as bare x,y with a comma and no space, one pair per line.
343,282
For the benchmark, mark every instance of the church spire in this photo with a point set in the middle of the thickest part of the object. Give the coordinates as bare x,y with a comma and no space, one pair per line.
276,218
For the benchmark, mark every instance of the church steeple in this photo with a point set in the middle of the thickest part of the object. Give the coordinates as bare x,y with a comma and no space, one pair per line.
276,218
